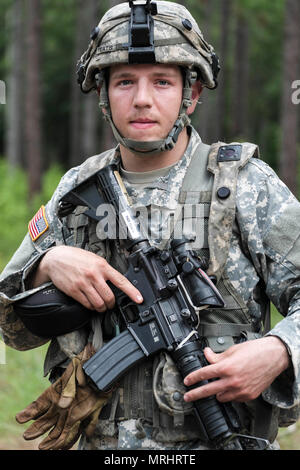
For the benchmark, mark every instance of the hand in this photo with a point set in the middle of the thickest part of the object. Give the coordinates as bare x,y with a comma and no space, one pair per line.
244,370
83,275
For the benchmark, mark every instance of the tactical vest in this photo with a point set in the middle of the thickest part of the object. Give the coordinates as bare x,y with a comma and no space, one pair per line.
212,209
150,391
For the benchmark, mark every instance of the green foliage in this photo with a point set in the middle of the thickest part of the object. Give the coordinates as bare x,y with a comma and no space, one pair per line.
58,71
265,74
264,19
50,180
21,378
275,316
14,207
21,381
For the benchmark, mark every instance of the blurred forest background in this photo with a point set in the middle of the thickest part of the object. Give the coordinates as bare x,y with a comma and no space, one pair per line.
47,125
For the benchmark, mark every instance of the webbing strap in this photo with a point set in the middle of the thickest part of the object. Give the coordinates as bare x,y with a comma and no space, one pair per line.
196,178
223,329
223,203
193,183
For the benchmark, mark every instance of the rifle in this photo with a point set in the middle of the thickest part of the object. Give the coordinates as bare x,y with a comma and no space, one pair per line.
175,289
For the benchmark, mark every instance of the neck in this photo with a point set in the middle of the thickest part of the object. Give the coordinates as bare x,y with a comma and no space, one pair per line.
137,163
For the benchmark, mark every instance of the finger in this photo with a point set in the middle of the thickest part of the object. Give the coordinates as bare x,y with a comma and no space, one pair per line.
32,411
55,433
211,356
94,296
65,441
37,428
212,388
122,283
228,395
80,296
105,292
204,373
92,420
65,431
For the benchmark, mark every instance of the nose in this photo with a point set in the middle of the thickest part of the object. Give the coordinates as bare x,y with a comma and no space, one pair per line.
142,97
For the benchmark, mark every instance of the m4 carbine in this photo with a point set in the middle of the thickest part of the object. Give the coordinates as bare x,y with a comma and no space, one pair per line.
175,289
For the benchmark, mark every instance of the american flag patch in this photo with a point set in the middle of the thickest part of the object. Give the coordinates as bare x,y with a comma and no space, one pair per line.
38,224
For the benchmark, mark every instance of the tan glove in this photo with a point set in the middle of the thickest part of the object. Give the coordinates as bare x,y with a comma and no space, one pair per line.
67,408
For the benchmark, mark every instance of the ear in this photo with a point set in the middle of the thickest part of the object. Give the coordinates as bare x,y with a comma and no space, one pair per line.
197,89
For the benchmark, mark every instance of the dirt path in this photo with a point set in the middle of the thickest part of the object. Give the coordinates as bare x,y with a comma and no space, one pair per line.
17,443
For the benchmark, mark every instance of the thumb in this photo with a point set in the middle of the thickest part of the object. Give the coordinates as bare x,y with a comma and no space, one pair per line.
211,356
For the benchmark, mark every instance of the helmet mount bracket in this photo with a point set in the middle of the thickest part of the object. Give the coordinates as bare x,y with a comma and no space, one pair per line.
141,33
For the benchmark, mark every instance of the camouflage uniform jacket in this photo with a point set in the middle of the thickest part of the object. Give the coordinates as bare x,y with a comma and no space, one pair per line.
263,258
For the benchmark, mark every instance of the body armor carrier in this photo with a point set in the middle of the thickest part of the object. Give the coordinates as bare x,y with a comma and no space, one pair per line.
153,391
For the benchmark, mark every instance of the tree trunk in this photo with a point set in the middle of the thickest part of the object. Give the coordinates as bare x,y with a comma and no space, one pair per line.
108,140
222,101
33,137
81,41
90,110
85,121
15,87
205,116
239,110
289,110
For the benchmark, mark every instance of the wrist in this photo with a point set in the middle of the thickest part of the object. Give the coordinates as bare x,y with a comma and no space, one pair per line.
280,351
41,275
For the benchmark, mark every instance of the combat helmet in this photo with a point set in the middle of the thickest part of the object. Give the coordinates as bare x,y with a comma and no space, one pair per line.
136,32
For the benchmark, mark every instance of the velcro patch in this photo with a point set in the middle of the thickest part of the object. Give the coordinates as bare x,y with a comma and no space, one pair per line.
38,224
229,153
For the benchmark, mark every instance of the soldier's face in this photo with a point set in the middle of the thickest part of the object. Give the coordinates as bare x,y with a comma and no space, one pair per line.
145,99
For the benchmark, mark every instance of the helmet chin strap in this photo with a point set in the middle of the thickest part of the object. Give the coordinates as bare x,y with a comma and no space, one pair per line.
145,148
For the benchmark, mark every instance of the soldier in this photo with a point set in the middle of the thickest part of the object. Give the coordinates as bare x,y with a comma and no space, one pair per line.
149,63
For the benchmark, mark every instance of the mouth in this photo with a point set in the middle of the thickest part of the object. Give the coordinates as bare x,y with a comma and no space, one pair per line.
143,123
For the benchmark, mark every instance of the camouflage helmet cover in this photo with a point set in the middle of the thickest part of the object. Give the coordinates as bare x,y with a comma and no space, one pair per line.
177,40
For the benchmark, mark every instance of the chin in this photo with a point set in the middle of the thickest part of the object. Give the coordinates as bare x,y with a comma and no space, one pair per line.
145,138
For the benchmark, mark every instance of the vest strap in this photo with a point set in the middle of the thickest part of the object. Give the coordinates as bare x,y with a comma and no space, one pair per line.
223,329
225,162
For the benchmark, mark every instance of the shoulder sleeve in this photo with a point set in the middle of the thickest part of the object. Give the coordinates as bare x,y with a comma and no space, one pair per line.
13,279
269,218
